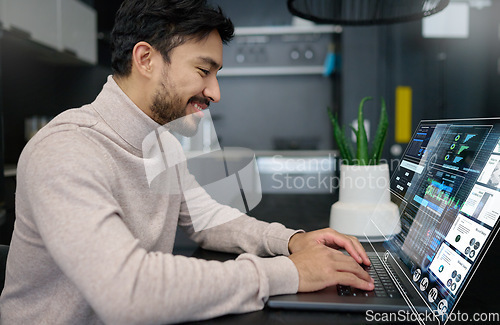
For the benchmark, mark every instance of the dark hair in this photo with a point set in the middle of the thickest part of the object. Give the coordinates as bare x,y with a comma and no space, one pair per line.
164,24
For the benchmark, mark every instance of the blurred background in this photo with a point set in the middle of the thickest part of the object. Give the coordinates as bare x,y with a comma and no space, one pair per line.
280,75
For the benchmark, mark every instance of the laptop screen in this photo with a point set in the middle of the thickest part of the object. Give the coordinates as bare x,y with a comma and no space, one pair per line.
447,187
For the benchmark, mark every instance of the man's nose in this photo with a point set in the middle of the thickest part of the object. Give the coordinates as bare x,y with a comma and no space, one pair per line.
212,91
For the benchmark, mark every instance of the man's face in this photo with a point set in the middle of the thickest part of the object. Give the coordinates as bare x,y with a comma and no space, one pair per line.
188,83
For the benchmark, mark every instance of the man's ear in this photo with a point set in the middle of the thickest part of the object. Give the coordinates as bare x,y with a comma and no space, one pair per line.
142,58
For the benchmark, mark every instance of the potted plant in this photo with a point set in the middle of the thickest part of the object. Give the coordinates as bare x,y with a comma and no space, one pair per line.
364,156
364,208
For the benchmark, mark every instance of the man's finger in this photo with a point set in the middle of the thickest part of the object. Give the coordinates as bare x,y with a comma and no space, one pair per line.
355,250
346,264
361,251
349,279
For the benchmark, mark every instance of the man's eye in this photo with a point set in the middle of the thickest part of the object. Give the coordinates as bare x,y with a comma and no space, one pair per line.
205,72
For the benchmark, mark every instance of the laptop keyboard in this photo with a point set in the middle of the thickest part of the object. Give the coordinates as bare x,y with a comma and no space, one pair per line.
384,286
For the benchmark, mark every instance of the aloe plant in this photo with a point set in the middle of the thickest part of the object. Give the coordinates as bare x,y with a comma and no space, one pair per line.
364,154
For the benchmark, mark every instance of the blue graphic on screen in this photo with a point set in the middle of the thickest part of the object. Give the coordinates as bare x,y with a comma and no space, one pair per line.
438,171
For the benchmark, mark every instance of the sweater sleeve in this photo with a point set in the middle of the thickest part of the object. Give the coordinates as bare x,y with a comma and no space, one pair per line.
80,224
227,229
245,235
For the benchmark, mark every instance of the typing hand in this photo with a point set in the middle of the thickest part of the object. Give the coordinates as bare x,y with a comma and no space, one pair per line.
320,266
331,238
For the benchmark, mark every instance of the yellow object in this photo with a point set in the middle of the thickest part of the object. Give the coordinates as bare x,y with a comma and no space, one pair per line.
402,119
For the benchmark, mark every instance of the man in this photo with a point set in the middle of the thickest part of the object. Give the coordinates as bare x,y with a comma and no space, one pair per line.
92,242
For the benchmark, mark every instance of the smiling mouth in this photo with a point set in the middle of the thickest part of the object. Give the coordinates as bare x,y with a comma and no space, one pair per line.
198,107
199,104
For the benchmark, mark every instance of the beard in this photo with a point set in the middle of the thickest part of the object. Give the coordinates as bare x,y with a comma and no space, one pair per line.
169,110
165,107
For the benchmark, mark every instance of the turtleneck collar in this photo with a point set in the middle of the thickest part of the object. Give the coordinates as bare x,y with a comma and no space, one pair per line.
122,115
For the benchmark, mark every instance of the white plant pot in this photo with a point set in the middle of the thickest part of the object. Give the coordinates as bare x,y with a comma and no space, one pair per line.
364,208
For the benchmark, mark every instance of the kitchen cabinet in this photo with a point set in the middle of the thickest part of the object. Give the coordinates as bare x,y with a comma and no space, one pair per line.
67,26
34,19
79,30
278,50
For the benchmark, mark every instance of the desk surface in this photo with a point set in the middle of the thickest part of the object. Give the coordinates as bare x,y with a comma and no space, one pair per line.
277,316
311,212
475,300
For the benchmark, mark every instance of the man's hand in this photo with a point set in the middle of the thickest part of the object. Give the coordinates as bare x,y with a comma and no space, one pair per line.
330,238
320,264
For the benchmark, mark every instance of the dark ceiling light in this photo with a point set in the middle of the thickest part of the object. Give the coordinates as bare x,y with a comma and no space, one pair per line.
364,12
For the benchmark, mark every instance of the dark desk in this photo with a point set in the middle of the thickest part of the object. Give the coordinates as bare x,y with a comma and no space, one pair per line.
311,212
277,316
475,300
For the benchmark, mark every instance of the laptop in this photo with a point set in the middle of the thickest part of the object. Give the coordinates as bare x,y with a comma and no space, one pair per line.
447,188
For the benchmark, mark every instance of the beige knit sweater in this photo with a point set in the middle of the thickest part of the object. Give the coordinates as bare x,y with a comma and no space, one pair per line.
92,242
